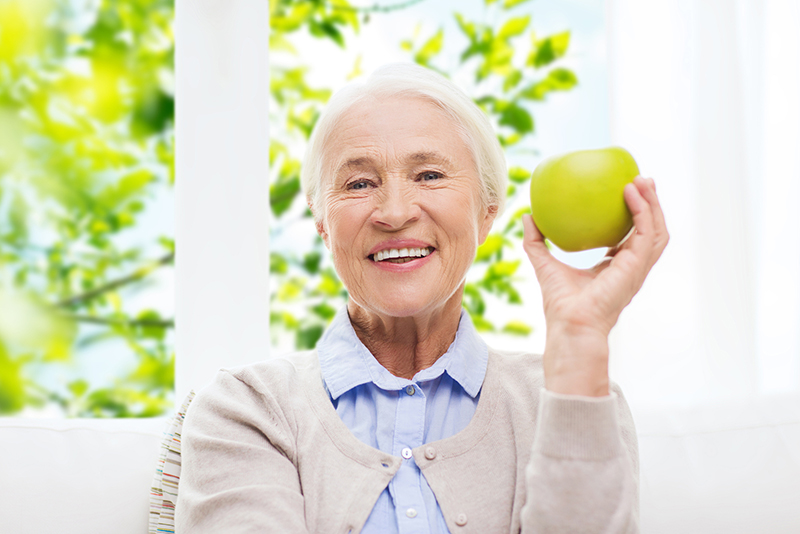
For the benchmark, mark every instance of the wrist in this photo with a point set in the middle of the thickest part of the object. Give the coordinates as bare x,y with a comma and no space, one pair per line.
576,362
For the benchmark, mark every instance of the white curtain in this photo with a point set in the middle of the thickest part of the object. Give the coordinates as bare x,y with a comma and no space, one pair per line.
706,95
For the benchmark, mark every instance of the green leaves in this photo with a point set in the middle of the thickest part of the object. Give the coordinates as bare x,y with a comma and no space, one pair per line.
431,47
517,328
556,80
307,337
518,175
326,29
12,383
283,192
547,50
517,117
508,4
282,20
513,27
491,248
468,28
324,20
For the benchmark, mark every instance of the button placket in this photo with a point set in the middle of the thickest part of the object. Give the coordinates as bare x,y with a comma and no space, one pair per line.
405,486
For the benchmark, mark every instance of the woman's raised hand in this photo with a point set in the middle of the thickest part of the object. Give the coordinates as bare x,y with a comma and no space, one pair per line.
582,305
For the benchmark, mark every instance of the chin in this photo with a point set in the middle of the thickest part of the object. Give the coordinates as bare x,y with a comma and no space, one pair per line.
401,308
404,301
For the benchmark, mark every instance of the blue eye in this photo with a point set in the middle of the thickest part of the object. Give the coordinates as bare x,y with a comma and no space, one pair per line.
359,185
428,176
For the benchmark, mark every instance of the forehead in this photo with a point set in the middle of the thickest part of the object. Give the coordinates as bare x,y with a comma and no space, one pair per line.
395,127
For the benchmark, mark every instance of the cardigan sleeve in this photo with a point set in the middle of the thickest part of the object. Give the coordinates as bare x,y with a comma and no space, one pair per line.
238,471
583,474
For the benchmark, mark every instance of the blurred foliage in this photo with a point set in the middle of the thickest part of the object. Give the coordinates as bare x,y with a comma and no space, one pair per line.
512,68
86,142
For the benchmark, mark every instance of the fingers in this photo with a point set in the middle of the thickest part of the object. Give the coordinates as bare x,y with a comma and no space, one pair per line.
647,188
534,245
650,235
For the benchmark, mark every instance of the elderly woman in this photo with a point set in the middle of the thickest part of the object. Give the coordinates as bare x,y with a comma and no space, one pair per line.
402,419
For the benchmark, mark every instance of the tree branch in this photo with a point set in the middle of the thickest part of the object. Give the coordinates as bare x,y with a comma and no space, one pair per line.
377,8
138,274
161,323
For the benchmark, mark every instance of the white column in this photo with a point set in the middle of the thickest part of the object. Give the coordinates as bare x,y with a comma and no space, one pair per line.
222,191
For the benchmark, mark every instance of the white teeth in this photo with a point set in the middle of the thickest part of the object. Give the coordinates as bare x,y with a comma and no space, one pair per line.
401,253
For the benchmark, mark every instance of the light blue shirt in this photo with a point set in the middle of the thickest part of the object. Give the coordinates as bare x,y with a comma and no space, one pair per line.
395,414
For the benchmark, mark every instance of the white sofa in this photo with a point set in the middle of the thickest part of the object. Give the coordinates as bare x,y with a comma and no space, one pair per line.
732,468
77,476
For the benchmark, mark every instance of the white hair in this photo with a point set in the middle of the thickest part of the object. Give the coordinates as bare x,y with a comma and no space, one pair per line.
410,80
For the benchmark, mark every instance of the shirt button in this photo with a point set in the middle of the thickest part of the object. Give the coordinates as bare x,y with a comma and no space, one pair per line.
411,513
406,452
430,453
461,520
410,390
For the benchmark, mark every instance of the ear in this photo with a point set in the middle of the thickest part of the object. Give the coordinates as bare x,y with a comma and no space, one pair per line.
318,224
486,224
322,232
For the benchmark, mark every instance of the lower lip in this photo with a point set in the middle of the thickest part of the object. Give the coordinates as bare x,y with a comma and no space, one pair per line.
402,267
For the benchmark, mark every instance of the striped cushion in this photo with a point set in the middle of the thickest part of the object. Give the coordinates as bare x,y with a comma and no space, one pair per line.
164,492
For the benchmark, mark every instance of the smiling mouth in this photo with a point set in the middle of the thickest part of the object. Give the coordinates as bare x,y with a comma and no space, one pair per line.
400,255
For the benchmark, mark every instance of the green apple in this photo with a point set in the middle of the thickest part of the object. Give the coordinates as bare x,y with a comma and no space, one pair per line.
577,201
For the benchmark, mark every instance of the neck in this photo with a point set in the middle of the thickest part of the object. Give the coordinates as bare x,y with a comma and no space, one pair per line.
407,345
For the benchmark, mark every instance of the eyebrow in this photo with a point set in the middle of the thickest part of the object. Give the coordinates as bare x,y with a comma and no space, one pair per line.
430,157
354,163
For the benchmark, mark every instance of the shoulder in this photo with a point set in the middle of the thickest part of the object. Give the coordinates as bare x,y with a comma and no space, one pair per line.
261,387
516,367
512,386
246,403
275,374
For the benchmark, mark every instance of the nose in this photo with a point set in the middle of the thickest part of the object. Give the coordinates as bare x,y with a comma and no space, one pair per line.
396,206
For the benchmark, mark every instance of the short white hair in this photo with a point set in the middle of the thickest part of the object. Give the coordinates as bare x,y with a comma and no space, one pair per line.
410,80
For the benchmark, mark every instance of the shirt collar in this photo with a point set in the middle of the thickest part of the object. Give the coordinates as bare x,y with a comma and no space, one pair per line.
346,363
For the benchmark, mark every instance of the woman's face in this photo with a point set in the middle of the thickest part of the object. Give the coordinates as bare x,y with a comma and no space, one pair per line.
403,214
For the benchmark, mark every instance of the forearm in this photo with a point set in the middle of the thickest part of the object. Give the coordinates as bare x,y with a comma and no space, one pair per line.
583,471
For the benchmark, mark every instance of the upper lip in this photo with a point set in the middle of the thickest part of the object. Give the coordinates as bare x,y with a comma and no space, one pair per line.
399,244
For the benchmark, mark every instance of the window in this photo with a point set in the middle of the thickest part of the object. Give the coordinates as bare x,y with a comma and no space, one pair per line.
86,233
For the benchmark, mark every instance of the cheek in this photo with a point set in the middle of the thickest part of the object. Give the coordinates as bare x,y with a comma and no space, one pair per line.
345,218
458,214
346,224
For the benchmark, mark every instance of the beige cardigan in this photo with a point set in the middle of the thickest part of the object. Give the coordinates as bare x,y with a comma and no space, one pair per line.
265,451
